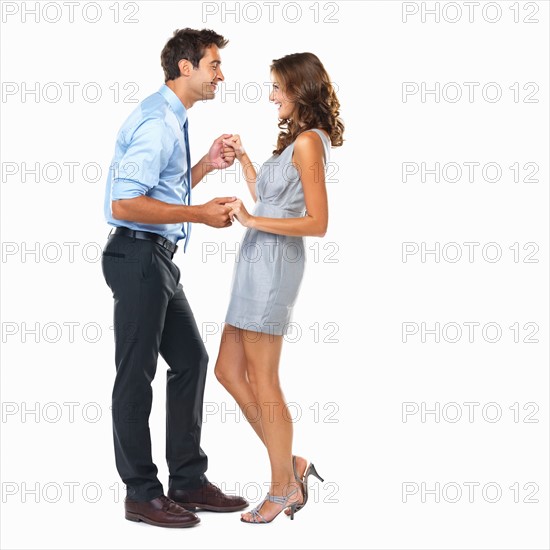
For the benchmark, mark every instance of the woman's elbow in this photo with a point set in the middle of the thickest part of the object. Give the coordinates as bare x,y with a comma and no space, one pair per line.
317,227
322,226
321,231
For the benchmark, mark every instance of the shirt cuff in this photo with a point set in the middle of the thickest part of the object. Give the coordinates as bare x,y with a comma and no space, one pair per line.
128,189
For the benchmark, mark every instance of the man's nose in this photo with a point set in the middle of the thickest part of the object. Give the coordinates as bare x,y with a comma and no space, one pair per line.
219,75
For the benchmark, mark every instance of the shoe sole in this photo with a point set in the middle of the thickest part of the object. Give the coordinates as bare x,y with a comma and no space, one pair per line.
137,517
194,506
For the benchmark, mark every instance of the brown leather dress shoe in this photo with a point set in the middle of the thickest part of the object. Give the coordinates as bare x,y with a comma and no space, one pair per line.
161,512
207,497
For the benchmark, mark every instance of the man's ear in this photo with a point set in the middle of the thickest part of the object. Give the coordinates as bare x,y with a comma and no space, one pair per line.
185,66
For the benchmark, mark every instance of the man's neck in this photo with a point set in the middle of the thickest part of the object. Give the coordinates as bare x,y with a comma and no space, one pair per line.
177,88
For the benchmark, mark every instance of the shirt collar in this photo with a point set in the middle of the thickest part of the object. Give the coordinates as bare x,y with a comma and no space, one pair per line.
175,104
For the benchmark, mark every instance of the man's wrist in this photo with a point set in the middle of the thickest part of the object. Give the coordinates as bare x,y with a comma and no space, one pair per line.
192,214
207,165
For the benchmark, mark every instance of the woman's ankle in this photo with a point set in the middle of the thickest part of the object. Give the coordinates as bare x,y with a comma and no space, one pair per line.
284,488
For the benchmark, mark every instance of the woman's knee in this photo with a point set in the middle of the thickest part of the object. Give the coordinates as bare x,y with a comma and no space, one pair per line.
220,371
226,374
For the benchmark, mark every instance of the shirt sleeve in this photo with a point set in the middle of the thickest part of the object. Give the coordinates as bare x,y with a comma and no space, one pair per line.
146,157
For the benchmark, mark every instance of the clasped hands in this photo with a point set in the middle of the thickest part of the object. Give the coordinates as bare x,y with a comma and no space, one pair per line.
221,155
223,152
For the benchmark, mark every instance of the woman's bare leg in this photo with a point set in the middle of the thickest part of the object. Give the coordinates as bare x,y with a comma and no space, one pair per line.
262,354
231,372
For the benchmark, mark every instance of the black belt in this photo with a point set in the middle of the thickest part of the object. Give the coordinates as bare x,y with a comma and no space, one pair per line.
145,235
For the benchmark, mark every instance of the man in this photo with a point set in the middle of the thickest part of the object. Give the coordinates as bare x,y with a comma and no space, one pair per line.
148,201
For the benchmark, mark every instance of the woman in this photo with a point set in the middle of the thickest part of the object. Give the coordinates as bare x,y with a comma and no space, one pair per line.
291,203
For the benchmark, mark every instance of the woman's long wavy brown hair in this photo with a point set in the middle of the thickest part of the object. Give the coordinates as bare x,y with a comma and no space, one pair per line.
305,81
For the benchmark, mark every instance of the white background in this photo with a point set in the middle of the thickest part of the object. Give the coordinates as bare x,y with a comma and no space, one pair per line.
349,393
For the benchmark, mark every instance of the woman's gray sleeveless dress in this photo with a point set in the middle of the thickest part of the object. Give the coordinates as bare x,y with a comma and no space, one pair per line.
269,268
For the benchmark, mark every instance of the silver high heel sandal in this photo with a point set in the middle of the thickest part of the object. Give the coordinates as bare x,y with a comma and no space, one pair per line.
281,501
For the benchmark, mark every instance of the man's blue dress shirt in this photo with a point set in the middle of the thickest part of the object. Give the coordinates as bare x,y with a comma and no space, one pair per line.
151,158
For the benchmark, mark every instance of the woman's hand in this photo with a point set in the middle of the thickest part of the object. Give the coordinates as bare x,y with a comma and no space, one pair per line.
235,143
239,211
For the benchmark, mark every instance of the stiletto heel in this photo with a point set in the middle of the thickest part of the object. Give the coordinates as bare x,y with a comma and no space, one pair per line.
312,471
303,482
293,508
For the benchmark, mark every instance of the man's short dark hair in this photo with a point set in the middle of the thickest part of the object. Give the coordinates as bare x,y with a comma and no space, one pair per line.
187,44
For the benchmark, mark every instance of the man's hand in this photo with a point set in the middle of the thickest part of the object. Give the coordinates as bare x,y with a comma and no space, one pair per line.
215,213
220,155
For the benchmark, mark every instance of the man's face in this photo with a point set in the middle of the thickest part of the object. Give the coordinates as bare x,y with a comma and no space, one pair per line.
205,78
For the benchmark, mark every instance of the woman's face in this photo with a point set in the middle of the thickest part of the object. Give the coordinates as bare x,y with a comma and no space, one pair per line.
284,105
